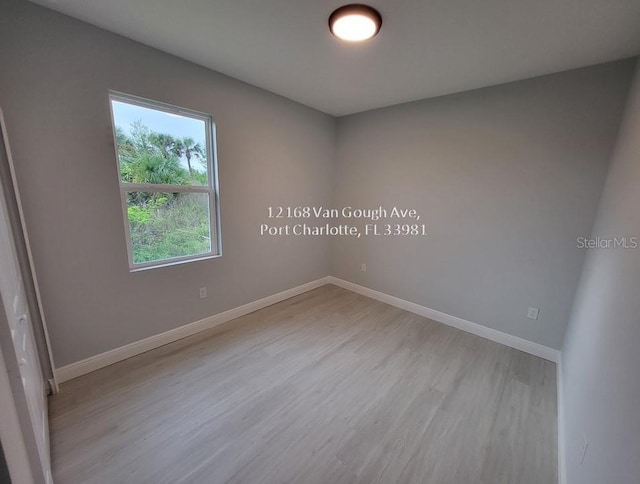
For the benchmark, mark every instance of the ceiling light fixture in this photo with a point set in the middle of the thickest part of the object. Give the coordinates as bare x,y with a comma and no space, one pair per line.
355,22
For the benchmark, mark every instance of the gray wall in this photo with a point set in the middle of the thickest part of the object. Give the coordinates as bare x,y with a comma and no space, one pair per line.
505,178
54,75
601,358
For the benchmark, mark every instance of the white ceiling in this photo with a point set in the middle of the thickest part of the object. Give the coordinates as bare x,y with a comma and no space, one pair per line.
425,48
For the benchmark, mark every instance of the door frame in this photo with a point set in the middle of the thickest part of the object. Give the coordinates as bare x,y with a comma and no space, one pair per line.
53,383
20,448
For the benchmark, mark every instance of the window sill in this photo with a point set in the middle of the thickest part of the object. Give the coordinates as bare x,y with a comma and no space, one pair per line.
170,263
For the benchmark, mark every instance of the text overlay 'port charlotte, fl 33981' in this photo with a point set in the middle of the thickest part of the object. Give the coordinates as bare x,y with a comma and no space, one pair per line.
356,222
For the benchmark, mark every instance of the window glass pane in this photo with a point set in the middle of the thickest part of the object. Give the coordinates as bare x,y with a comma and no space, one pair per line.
159,147
168,225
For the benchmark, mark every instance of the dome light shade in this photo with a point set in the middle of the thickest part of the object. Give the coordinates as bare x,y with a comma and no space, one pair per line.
355,22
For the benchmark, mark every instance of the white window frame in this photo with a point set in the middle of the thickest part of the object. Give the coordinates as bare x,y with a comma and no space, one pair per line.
211,188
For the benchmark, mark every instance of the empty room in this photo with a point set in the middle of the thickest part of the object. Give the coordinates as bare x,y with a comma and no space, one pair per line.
315,242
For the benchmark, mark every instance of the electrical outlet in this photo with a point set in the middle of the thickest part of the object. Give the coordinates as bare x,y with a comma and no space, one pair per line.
363,267
532,313
203,292
583,449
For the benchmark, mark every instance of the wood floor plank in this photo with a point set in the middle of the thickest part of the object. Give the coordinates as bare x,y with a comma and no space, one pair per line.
326,387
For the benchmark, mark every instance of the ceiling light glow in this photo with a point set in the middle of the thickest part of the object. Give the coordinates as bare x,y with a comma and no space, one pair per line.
355,22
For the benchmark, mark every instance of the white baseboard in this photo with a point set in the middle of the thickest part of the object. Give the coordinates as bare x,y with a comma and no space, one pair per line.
459,323
110,357
562,465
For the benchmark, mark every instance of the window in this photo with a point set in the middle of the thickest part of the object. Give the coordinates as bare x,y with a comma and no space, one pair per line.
168,181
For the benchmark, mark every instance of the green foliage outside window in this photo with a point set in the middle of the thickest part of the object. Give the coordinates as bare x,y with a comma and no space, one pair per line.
164,225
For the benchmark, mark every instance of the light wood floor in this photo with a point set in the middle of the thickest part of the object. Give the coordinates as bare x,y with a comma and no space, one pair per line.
327,387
